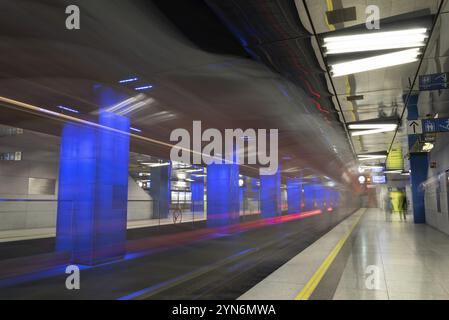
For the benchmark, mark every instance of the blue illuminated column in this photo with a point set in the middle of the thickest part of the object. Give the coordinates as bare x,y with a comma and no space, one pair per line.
294,192
223,196
242,191
326,198
197,189
321,196
418,166
93,190
160,191
316,196
270,195
337,199
331,198
309,197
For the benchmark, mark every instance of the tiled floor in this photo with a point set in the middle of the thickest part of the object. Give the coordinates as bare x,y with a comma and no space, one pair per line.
395,260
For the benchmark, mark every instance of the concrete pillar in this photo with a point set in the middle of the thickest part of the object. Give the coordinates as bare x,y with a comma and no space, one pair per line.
223,197
418,166
270,195
294,195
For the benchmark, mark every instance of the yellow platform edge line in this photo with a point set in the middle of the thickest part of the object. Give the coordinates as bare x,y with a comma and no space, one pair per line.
311,285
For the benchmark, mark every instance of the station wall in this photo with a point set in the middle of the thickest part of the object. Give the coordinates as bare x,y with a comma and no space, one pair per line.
436,187
29,187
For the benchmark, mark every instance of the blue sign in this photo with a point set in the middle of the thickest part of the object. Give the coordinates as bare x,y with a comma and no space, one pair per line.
429,125
435,125
436,81
443,125
379,179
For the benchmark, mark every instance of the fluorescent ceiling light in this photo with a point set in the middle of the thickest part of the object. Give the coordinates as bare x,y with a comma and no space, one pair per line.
371,157
393,171
154,165
371,167
68,109
408,38
135,106
372,131
376,62
125,103
372,126
376,35
128,80
135,129
143,88
194,170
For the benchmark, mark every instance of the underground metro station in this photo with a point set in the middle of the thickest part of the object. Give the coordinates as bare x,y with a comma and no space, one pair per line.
224,150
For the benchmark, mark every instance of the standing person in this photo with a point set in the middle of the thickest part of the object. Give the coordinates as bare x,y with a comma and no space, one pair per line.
403,208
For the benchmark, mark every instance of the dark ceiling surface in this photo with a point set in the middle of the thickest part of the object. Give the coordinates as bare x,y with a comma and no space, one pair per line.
44,64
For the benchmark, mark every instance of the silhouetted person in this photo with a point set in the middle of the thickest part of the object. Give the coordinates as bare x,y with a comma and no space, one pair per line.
403,208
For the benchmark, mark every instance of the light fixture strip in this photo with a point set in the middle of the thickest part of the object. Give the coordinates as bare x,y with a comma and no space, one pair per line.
371,126
371,131
376,62
377,35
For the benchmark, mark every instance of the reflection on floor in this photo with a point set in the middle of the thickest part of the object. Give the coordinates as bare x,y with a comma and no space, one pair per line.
395,260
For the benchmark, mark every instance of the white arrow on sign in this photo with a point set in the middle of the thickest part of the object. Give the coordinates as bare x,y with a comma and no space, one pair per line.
414,127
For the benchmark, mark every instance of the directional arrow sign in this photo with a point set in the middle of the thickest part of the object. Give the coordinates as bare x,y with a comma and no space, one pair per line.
414,127
431,125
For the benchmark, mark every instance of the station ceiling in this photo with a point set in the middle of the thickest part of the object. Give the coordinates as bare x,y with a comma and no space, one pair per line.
379,93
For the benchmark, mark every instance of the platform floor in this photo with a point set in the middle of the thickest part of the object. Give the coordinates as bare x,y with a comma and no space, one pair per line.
370,256
412,261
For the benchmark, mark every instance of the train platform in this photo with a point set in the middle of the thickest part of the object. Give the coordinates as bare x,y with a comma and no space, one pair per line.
368,256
